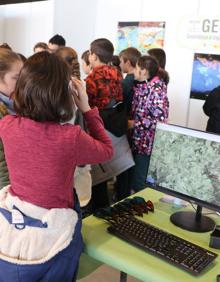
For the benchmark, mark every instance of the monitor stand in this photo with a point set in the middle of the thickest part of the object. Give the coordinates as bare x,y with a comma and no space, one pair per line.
193,221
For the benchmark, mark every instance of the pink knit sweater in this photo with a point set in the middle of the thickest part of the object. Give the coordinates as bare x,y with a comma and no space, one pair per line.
42,156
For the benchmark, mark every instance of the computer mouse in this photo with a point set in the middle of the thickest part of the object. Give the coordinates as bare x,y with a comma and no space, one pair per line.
218,278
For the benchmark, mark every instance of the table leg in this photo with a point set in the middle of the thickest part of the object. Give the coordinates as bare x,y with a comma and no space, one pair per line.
123,277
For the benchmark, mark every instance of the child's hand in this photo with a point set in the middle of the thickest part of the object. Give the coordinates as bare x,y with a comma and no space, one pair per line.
130,123
79,94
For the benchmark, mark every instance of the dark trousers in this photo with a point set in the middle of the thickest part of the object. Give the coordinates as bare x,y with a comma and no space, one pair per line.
139,171
100,197
123,185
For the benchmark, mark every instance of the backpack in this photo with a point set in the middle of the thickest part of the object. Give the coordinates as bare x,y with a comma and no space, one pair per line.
114,116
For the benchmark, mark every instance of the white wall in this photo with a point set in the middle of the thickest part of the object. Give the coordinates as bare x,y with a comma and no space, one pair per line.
23,25
75,20
81,21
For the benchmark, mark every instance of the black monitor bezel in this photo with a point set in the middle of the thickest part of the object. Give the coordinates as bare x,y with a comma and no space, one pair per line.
176,194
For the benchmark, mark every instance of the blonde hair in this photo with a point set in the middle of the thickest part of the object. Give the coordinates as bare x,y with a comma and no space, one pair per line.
71,58
7,59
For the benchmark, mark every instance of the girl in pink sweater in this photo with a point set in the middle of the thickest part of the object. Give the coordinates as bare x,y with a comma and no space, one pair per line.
42,155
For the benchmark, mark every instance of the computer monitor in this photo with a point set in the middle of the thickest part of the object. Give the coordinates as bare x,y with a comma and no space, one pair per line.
185,163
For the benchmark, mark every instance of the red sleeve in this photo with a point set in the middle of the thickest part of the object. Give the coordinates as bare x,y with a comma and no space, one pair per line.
91,89
96,147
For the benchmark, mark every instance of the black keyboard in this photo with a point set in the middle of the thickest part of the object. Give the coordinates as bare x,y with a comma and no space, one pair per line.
175,250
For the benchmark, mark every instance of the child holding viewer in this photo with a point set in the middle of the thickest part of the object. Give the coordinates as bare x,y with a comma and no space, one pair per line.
42,154
82,175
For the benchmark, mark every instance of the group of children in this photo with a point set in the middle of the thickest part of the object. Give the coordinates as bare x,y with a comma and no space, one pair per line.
42,147
144,93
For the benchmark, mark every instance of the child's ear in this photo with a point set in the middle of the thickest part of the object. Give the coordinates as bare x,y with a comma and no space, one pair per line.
95,57
146,73
92,57
128,63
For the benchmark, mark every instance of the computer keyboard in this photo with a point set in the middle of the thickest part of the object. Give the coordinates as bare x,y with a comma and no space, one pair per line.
175,250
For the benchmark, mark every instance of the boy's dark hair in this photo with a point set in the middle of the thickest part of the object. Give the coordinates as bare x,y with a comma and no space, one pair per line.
58,40
150,64
160,55
85,57
42,91
103,48
116,62
130,54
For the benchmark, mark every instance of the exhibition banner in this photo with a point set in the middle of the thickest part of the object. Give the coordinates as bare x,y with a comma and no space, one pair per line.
199,33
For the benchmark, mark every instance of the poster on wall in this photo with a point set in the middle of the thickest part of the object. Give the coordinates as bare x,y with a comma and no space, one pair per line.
141,35
205,75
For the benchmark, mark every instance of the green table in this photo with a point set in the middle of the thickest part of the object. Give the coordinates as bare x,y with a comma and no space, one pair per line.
110,250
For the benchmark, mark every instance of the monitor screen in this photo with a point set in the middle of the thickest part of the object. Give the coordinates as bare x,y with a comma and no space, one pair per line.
185,163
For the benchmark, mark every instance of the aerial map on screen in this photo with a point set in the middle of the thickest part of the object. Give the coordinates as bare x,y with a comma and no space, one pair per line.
186,164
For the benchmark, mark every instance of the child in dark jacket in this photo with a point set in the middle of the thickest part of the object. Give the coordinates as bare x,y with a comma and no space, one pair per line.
128,59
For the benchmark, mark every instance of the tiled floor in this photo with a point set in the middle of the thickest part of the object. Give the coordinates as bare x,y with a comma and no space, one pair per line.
106,274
